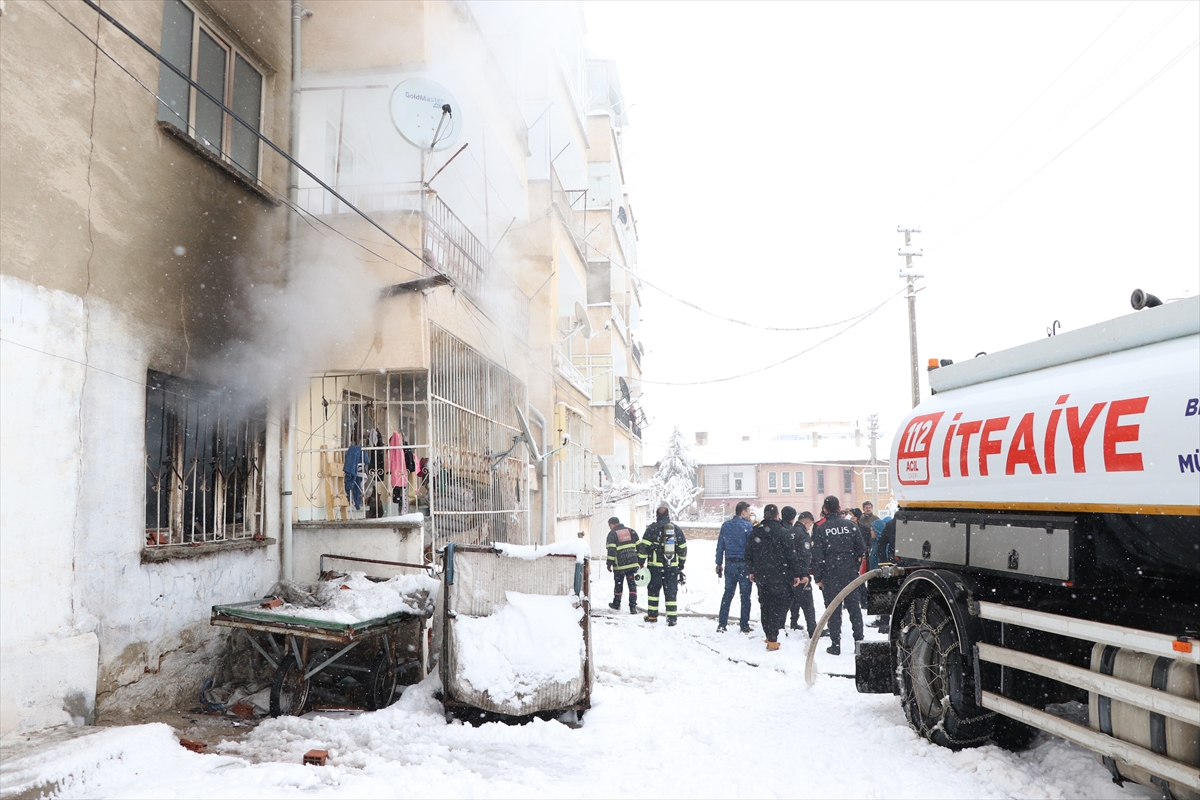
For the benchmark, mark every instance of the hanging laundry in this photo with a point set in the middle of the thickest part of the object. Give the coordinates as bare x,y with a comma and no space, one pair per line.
353,471
396,465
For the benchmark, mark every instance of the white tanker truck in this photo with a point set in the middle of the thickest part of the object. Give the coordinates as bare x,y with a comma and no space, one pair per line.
1048,549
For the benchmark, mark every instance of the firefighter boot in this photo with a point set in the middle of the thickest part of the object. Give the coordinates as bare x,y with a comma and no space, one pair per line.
672,621
615,605
649,618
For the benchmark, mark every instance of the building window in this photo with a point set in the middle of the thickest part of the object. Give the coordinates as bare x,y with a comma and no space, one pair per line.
868,481
476,474
771,483
799,481
786,482
820,481
194,47
881,477
573,466
204,464
387,415
848,481
737,481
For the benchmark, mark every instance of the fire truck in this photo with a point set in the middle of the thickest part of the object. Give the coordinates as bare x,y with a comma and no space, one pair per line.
1047,549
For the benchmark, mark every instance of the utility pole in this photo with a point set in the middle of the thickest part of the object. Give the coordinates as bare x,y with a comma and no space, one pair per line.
873,437
909,251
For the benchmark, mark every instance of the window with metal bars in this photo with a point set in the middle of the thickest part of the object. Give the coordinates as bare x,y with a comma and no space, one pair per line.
193,45
204,464
848,481
386,414
476,476
576,495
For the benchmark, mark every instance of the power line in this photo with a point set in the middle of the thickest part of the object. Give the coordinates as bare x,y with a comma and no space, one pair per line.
262,137
777,363
1018,118
1179,57
1121,62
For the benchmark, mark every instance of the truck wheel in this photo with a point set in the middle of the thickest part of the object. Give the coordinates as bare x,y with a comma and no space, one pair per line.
381,685
289,690
937,690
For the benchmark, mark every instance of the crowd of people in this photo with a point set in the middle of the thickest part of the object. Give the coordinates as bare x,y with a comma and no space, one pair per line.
784,555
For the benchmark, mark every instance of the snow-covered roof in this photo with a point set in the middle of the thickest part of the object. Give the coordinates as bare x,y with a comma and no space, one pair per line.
834,444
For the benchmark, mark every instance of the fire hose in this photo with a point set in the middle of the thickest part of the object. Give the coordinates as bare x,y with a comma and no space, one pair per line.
884,571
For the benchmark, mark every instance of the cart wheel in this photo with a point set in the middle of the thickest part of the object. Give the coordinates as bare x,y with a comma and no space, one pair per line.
289,690
381,685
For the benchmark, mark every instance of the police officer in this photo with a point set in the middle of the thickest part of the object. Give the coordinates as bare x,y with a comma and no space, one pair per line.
771,562
664,548
622,562
836,552
801,598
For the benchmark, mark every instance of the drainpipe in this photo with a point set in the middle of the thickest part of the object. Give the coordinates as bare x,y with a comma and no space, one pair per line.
543,484
293,191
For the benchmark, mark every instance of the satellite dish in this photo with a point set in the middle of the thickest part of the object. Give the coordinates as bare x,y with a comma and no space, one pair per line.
528,436
585,324
604,468
426,114
624,388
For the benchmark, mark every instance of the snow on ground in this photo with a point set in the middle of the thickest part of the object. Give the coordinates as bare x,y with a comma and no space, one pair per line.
677,712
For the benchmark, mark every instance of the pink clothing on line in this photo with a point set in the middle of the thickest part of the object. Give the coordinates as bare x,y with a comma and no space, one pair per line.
396,460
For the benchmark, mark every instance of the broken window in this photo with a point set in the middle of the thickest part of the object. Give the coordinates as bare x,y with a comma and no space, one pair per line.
196,49
204,463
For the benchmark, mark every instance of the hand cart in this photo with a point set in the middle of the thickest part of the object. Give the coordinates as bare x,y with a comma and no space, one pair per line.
300,649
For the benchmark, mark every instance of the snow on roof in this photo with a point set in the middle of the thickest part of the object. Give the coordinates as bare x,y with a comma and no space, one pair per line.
834,444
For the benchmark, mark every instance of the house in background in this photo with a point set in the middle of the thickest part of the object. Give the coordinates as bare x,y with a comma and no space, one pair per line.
797,468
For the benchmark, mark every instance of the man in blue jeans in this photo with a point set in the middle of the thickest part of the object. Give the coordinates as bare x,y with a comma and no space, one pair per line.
731,562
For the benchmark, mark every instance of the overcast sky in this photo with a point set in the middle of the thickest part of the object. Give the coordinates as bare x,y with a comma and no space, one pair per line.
774,147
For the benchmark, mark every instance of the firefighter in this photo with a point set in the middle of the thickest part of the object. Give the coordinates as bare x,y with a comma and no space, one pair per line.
664,548
837,549
622,562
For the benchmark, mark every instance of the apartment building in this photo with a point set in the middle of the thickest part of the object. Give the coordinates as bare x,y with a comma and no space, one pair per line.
798,468
214,371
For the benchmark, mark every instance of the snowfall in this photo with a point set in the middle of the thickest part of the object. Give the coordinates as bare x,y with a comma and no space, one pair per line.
676,712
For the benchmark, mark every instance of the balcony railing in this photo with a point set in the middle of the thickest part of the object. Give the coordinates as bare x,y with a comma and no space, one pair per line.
448,245
562,363
572,207
628,419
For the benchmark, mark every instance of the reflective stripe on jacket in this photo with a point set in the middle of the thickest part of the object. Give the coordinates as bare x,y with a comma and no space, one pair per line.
650,549
622,549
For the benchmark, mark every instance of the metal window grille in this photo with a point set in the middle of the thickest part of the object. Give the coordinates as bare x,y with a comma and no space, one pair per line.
772,486
576,497
477,486
820,481
204,464
785,478
364,410
847,481
799,481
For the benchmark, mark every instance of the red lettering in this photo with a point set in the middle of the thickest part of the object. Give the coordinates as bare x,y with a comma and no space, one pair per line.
965,431
1051,437
987,445
1022,450
946,446
1078,434
1115,433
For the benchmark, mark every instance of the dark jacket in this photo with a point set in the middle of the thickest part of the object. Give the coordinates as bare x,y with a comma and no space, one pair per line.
801,547
731,541
837,550
651,550
770,554
622,549
885,545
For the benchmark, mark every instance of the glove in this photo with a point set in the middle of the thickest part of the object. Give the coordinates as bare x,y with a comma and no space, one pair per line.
682,578
720,571
608,567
